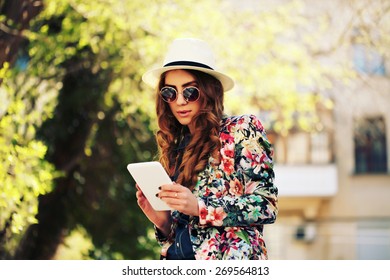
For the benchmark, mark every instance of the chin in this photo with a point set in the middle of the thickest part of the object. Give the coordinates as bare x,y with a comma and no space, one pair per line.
184,122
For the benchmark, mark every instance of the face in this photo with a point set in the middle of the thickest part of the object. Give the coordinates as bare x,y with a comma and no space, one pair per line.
183,111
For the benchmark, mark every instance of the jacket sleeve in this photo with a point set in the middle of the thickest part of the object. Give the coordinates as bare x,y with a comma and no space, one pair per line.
248,195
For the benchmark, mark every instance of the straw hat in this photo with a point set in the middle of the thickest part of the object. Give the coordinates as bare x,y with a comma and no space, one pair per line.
188,53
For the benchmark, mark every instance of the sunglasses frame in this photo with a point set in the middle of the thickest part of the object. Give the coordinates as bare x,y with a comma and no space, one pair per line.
182,93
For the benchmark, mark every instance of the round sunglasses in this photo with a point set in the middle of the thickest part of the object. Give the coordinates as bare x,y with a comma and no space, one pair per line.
190,94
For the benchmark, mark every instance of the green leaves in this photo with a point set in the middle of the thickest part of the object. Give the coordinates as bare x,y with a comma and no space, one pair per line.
243,235
24,175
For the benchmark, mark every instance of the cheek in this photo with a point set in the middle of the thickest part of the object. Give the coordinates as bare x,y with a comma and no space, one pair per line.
196,107
172,106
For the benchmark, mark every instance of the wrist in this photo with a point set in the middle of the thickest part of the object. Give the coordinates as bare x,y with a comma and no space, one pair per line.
164,227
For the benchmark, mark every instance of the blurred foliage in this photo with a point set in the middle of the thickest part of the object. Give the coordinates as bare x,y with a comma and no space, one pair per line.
24,173
74,111
76,245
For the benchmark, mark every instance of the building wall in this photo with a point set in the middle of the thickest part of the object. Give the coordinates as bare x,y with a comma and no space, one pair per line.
354,222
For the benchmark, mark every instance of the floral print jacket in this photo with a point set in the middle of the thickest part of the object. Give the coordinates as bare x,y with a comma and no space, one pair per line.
235,199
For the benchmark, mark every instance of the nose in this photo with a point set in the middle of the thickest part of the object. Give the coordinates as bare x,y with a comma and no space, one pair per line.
180,99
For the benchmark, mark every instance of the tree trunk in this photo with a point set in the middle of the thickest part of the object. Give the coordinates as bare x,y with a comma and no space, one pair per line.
66,135
41,240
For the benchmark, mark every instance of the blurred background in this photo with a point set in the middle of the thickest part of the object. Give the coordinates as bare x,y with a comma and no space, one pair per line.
74,112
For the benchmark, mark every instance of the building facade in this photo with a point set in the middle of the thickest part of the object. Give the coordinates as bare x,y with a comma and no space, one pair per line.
334,184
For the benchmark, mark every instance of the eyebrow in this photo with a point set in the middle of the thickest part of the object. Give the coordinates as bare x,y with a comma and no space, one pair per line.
184,85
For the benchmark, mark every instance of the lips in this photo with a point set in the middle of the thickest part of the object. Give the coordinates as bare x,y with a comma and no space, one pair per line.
184,113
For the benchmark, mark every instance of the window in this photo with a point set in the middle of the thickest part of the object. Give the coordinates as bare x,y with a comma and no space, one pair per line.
373,240
320,148
368,61
298,148
370,145
303,148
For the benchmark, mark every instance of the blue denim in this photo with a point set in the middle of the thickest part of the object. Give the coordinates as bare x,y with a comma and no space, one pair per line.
181,249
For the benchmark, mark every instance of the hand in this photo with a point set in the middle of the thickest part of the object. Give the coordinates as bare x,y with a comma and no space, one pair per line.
179,198
162,219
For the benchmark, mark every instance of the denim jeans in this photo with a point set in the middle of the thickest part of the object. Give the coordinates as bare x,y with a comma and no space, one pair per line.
181,249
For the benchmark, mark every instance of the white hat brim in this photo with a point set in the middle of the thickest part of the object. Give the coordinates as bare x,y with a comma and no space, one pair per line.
152,77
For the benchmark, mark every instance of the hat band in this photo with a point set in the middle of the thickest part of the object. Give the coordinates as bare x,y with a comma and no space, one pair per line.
188,63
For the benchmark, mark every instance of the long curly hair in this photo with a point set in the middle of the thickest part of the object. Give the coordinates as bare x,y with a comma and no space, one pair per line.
204,140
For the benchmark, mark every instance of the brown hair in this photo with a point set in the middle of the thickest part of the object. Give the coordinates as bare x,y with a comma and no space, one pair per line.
204,140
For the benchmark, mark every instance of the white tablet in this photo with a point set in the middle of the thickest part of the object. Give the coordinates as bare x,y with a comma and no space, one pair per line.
149,176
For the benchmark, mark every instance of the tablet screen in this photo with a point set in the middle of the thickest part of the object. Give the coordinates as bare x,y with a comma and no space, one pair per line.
149,176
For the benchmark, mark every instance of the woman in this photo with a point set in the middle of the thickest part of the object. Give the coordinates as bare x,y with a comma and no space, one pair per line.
223,191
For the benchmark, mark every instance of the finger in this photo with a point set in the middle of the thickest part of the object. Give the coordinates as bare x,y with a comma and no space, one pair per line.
168,194
140,195
171,187
176,204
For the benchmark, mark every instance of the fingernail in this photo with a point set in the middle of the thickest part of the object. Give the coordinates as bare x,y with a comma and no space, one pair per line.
156,194
159,188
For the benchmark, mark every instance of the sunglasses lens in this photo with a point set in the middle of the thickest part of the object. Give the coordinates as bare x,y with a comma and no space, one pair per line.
191,94
168,94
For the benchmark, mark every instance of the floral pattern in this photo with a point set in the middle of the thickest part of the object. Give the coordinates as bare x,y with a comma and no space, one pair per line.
236,198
